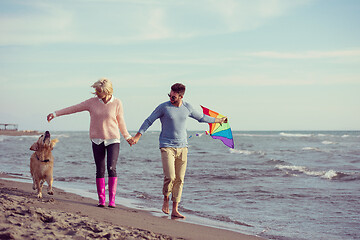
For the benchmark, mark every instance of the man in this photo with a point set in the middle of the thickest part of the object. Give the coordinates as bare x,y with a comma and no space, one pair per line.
173,142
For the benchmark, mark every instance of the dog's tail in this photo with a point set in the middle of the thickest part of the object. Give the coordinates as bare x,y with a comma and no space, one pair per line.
53,142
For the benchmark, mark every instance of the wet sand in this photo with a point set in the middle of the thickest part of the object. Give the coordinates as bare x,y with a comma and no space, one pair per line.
70,216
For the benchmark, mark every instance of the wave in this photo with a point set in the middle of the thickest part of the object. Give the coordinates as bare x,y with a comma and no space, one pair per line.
311,148
315,149
254,135
275,162
143,195
342,176
329,174
246,152
219,218
76,162
314,134
320,135
20,138
72,179
224,177
60,136
296,134
299,169
14,174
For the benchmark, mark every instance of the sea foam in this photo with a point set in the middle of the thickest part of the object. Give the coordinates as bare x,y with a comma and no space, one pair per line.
295,134
330,174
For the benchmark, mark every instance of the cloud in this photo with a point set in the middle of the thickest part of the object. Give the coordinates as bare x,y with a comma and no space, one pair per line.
34,22
116,22
213,59
247,15
306,54
155,27
287,79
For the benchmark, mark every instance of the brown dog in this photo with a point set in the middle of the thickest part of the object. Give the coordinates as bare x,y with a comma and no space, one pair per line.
42,163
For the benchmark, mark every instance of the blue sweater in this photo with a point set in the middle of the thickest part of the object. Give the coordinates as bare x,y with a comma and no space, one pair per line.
173,123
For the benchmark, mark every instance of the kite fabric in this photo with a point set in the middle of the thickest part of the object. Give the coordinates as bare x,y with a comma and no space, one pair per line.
219,131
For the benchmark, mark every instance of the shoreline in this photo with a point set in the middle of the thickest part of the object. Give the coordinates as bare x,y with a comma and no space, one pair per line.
25,215
19,133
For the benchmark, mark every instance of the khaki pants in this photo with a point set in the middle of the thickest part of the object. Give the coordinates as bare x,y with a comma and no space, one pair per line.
174,161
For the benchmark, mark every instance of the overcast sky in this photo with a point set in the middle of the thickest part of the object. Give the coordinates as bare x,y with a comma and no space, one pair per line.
266,64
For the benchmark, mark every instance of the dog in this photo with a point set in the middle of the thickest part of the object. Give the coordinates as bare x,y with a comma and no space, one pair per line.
42,163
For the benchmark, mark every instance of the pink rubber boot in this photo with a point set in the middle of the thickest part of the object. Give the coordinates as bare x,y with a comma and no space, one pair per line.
112,191
100,185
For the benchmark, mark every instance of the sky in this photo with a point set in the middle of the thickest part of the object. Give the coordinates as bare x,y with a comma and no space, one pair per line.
265,64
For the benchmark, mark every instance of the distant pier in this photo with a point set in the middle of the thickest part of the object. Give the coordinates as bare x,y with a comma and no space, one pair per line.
9,127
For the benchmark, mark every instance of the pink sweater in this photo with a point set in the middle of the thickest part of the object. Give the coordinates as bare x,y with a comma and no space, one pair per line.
105,119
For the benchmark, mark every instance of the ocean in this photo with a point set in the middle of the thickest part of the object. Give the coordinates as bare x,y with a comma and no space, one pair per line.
283,185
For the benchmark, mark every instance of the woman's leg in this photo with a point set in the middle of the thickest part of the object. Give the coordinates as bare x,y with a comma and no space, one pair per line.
99,157
112,157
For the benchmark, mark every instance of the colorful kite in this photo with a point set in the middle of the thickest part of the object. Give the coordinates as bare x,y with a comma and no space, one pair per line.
219,131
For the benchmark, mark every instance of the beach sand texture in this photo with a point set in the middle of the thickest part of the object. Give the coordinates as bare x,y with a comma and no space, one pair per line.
70,216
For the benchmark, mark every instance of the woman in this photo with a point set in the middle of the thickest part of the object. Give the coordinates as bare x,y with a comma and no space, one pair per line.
106,118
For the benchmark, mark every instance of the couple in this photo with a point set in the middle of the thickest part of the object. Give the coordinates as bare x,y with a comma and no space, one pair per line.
107,117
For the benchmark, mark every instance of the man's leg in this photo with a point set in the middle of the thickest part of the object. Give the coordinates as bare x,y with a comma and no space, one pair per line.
168,162
165,206
180,169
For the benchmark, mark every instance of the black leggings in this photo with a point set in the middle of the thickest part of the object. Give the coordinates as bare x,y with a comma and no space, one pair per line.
99,152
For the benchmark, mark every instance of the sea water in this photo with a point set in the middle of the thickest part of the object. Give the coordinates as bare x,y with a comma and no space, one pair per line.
277,185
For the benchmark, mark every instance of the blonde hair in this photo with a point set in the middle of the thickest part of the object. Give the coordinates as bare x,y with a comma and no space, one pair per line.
103,85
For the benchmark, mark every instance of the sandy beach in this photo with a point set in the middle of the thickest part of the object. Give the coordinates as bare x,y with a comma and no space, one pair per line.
70,216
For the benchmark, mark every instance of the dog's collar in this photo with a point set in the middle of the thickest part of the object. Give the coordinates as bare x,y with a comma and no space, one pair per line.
46,160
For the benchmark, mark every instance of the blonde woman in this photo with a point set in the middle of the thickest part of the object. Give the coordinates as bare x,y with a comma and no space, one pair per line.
106,118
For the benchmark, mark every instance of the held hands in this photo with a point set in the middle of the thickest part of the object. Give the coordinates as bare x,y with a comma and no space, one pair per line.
134,140
131,141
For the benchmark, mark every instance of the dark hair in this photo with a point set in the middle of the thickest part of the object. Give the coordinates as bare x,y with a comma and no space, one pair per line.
178,88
